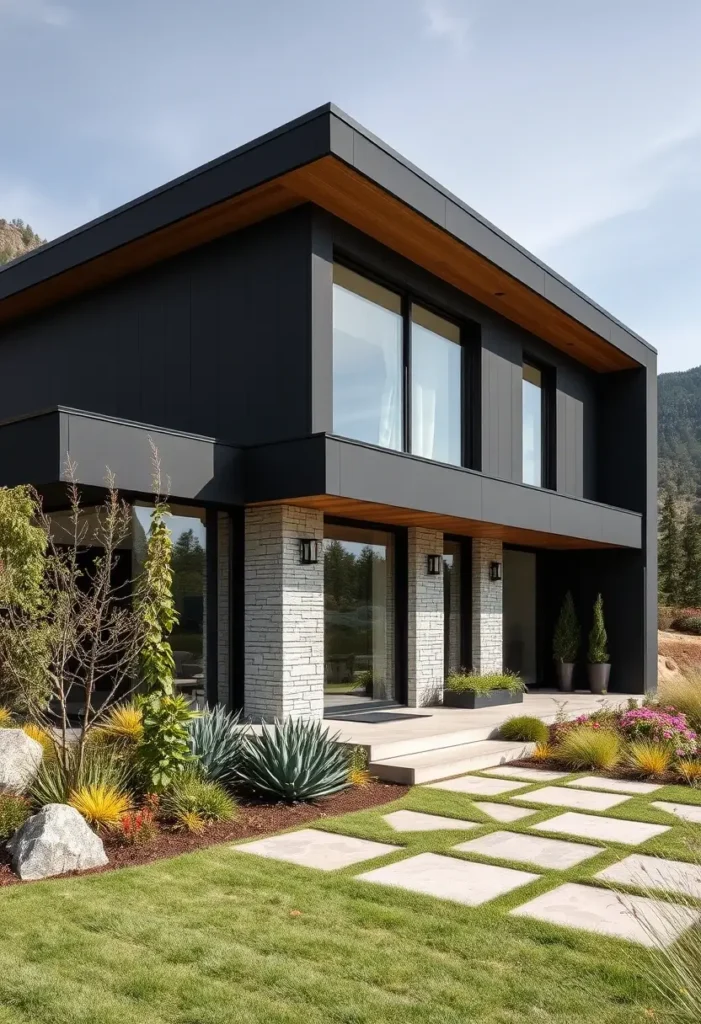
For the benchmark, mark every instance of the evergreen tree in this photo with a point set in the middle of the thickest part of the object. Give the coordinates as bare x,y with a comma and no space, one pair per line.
690,584
670,552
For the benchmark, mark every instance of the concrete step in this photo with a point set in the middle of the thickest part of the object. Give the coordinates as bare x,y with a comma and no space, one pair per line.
430,740
444,762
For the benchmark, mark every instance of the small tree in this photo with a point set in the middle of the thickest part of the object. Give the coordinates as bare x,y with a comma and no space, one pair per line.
164,750
598,640
568,635
690,582
670,554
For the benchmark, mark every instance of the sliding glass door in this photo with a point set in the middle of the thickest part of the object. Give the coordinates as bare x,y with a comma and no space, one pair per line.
359,610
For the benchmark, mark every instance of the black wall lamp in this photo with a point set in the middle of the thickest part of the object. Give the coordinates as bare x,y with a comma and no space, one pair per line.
495,572
433,564
308,551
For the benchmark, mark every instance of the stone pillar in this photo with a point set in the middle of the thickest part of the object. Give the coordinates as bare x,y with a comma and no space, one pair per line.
284,615
487,618
425,625
224,610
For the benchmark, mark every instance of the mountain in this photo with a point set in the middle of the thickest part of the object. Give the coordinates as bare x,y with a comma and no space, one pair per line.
679,432
16,238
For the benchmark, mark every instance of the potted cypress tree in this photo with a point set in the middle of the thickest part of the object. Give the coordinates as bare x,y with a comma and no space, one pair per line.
566,641
599,664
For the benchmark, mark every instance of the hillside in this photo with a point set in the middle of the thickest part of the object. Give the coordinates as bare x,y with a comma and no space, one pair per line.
679,431
16,238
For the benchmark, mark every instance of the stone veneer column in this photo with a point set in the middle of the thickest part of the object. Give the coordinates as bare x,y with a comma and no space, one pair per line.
487,618
425,625
284,615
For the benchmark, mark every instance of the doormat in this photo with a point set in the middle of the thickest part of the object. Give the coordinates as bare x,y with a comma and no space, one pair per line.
371,717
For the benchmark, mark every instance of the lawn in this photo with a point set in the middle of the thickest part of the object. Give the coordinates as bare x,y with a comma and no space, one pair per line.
215,937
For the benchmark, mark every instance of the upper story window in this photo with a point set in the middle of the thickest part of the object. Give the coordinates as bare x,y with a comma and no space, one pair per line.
397,371
368,372
533,425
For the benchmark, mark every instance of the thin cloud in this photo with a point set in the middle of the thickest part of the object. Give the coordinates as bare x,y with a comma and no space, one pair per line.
443,22
43,12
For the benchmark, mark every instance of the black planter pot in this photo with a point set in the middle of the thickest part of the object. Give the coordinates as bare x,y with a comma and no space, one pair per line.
470,699
565,675
599,677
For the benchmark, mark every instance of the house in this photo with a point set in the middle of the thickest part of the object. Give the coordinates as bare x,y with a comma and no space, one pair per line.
394,438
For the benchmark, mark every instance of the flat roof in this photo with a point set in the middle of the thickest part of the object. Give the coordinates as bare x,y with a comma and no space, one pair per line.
327,158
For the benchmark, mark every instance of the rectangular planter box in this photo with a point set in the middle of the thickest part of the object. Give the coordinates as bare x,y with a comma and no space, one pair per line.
470,699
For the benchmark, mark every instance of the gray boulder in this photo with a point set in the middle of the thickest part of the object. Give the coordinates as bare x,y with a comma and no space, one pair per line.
20,757
56,840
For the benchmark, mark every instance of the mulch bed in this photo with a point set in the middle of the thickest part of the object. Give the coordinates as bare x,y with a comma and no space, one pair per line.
254,819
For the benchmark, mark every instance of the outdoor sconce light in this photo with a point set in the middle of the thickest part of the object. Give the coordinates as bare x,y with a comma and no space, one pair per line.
308,551
433,564
495,572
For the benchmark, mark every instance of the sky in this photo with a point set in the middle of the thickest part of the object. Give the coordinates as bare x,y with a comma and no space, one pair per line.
573,125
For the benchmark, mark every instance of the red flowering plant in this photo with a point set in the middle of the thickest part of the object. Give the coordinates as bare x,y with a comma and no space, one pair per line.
136,827
663,725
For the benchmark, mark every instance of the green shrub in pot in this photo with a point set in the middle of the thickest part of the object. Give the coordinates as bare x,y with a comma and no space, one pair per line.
460,682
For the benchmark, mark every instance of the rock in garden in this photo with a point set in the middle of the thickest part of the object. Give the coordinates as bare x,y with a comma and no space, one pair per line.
667,670
20,757
56,840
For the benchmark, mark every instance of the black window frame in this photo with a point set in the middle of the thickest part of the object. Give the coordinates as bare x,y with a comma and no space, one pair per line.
470,390
548,461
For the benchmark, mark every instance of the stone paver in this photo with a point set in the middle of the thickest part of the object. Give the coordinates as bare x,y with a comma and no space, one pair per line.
544,853
315,849
503,812
614,830
449,878
581,799
530,774
687,812
616,785
477,785
655,873
638,919
416,821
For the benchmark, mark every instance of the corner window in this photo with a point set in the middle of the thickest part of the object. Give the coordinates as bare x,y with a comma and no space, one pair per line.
397,371
367,360
436,387
533,425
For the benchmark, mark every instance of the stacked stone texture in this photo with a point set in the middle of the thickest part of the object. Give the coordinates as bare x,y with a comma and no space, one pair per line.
487,622
425,627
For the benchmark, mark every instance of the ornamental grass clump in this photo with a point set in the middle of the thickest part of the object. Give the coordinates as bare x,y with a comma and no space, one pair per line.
190,796
41,736
526,729
294,761
101,805
216,741
6,721
689,772
649,758
583,748
358,774
57,777
471,681
124,723
14,811
684,695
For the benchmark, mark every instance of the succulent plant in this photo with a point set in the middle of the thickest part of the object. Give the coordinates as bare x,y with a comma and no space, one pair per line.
216,740
295,761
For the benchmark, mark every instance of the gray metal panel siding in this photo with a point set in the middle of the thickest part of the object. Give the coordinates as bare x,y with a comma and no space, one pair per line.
215,341
501,406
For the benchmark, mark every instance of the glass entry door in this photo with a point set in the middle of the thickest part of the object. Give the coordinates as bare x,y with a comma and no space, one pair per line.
359,615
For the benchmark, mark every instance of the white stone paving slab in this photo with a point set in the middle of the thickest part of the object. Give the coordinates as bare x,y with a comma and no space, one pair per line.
687,812
416,821
611,830
503,812
448,878
615,785
477,785
544,853
655,873
314,849
531,774
638,919
581,799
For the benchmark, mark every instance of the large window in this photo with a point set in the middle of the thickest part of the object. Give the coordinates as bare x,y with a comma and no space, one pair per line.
381,339
436,387
359,634
452,611
532,425
367,360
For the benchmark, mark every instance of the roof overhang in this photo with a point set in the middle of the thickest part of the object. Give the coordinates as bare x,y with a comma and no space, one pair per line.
327,159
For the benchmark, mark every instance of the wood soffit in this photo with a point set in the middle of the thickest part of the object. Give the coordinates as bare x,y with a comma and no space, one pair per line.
350,508
344,192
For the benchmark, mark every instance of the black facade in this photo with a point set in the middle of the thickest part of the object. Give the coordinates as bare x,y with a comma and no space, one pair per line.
222,353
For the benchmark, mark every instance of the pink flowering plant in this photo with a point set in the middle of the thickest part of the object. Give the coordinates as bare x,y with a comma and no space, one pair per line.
663,725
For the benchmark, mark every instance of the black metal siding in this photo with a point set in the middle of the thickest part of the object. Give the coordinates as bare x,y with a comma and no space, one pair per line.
215,341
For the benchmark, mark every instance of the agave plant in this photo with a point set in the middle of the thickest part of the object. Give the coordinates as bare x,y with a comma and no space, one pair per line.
216,740
295,761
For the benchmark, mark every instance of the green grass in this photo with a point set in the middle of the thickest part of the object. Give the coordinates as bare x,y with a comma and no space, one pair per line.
216,937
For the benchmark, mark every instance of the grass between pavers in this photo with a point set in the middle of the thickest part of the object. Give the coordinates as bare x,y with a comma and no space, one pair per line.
217,936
